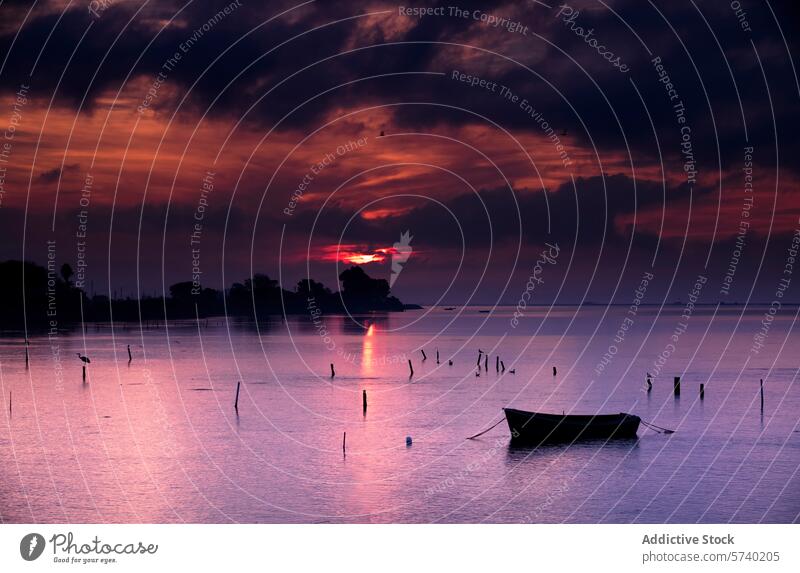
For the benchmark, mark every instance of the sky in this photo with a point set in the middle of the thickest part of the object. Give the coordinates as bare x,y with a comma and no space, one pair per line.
573,147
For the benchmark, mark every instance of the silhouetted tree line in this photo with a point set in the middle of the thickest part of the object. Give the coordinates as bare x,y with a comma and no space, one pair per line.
38,295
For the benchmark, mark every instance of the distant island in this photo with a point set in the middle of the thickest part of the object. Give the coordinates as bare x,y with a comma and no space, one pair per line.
38,296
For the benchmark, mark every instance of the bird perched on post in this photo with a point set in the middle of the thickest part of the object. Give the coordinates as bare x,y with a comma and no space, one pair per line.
84,359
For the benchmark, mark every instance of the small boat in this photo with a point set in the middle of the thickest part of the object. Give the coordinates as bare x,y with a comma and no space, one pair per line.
536,428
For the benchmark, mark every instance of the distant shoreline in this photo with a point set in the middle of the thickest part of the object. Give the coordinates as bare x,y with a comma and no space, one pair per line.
48,298
600,304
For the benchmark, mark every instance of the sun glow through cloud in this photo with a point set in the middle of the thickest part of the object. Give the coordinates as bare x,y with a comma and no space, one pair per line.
354,254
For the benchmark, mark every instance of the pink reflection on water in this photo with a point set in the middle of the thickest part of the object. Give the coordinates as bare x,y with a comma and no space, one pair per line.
368,351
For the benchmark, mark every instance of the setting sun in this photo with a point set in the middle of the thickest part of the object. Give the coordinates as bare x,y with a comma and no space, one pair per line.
353,254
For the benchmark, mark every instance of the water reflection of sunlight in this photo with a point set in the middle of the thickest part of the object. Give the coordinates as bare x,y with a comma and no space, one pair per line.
367,351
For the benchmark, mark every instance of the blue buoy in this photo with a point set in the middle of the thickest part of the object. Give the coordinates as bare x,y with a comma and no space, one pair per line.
408,440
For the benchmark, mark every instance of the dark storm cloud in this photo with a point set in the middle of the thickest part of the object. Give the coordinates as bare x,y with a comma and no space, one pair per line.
605,122
586,214
601,106
122,43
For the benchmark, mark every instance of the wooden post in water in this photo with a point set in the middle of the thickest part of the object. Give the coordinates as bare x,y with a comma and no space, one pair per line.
762,395
486,363
502,366
437,356
130,357
411,368
26,354
344,443
497,363
333,372
480,353
702,391
423,354
676,385
84,372
236,402
364,396
649,383
9,403
554,371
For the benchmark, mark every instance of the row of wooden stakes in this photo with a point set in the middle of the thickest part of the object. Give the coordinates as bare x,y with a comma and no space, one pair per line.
676,388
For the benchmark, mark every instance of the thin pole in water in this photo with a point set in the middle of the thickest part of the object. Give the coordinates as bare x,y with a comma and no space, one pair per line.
502,366
497,363
702,391
333,372
364,396
9,403
762,395
344,443
423,354
676,386
554,371
26,353
411,368
84,373
130,356
236,402
649,383
486,363
437,356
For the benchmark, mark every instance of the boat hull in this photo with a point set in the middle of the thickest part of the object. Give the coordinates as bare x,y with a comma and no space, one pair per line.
536,428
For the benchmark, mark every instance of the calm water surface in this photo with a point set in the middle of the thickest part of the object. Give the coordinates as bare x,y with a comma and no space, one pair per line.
159,441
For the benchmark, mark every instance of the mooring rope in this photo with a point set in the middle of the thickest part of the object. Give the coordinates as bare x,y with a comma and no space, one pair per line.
487,429
658,429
